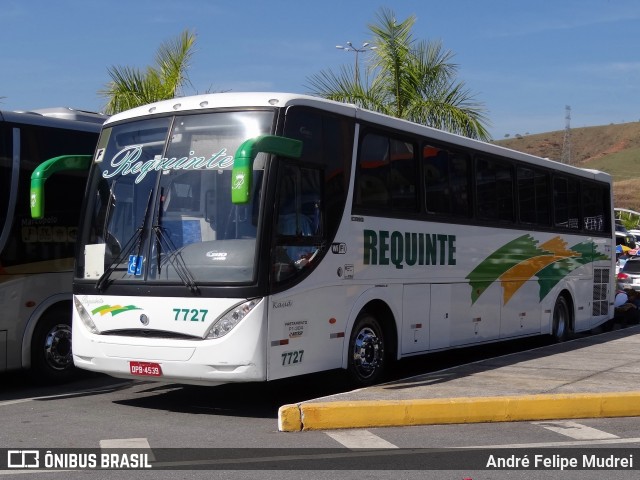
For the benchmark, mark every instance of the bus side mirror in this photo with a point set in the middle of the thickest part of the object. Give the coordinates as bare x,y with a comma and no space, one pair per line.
48,168
241,174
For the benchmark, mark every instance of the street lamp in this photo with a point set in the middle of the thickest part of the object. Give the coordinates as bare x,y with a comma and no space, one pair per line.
350,48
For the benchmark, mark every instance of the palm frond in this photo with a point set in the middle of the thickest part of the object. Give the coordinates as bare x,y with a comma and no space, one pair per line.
414,80
173,60
130,87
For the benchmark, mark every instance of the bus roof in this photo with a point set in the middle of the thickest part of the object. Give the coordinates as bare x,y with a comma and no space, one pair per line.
60,117
278,99
233,99
71,114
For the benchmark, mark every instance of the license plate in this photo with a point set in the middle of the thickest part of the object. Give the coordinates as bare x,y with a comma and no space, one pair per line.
145,369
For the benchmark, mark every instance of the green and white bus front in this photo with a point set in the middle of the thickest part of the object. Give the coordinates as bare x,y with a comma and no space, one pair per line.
171,272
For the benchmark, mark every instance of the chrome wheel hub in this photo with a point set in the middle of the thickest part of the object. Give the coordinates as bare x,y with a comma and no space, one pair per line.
367,352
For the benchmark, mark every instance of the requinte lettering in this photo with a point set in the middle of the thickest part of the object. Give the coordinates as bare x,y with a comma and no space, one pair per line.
127,162
409,248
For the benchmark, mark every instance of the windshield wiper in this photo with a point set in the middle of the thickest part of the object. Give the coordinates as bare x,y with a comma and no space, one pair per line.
134,241
174,257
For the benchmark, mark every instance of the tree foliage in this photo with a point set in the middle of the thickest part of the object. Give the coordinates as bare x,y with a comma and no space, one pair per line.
131,87
409,79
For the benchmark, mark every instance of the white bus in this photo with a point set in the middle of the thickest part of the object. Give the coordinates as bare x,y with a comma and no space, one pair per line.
36,256
253,236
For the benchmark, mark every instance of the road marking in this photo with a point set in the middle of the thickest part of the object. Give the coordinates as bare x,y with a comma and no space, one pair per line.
613,441
360,439
128,443
14,402
125,443
28,471
575,430
109,389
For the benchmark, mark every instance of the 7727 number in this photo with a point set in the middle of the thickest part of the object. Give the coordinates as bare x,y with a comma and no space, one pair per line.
191,314
291,358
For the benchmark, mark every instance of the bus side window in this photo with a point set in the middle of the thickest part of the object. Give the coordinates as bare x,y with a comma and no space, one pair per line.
328,140
291,220
299,205
494,190
372,173
403,172
595,200
299,224
446,181
436,180
386,174
566,201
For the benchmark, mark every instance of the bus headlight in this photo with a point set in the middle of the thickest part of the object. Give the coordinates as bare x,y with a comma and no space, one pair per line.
85,317
230,319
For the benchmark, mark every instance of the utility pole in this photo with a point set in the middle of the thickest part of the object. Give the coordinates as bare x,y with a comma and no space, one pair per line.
566,144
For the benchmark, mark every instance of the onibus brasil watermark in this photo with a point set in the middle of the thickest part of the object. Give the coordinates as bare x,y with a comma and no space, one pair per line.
68,460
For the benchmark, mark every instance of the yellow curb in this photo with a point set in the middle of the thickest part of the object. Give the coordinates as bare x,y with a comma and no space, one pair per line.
379,413
289,418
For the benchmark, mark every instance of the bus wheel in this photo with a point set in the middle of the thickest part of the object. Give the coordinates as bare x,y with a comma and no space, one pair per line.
561,320
51,357
366,364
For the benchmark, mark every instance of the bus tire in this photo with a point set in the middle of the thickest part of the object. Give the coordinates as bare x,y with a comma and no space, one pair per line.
51,357
367,351
561,320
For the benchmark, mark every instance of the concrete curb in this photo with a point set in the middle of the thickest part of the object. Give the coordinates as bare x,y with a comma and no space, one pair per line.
379,413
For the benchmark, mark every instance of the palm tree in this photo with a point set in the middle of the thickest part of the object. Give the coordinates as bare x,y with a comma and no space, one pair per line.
131,87
407,79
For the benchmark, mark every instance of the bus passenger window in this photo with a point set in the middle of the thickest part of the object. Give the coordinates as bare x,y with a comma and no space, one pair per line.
436,180
494,190
402,176
533,196
386,175
595,201
372,173
566,202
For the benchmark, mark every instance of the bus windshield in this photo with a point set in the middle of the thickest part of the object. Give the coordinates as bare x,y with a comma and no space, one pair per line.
161,208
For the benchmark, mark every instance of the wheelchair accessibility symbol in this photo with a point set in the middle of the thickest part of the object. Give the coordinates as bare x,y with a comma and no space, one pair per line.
135,265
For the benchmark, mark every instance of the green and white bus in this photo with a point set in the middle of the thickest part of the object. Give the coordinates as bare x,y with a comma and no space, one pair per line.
241,237
36,256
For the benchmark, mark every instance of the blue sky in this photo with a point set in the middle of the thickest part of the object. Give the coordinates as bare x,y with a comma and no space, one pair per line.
524,61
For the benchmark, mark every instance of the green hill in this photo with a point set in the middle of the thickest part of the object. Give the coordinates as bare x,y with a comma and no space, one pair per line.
614,149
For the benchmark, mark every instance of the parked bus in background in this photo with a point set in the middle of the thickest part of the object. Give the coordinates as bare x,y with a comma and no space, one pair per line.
242,237
36,256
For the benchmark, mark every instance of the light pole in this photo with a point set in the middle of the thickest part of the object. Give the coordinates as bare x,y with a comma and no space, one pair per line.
350,48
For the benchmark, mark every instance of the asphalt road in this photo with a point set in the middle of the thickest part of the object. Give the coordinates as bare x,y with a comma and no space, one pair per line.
236,426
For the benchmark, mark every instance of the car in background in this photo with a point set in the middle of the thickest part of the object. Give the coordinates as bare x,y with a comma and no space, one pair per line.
623,237
636,235
629,275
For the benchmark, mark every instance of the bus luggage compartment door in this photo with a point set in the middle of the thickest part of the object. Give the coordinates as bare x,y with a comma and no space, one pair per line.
425,317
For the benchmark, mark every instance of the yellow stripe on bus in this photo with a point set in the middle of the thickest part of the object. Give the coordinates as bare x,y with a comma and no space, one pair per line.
109,309
516,276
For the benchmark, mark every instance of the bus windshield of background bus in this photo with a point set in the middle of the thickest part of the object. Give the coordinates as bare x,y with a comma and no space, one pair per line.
188,224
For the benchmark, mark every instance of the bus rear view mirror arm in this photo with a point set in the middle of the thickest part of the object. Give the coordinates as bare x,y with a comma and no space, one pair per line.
48,168
241,175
